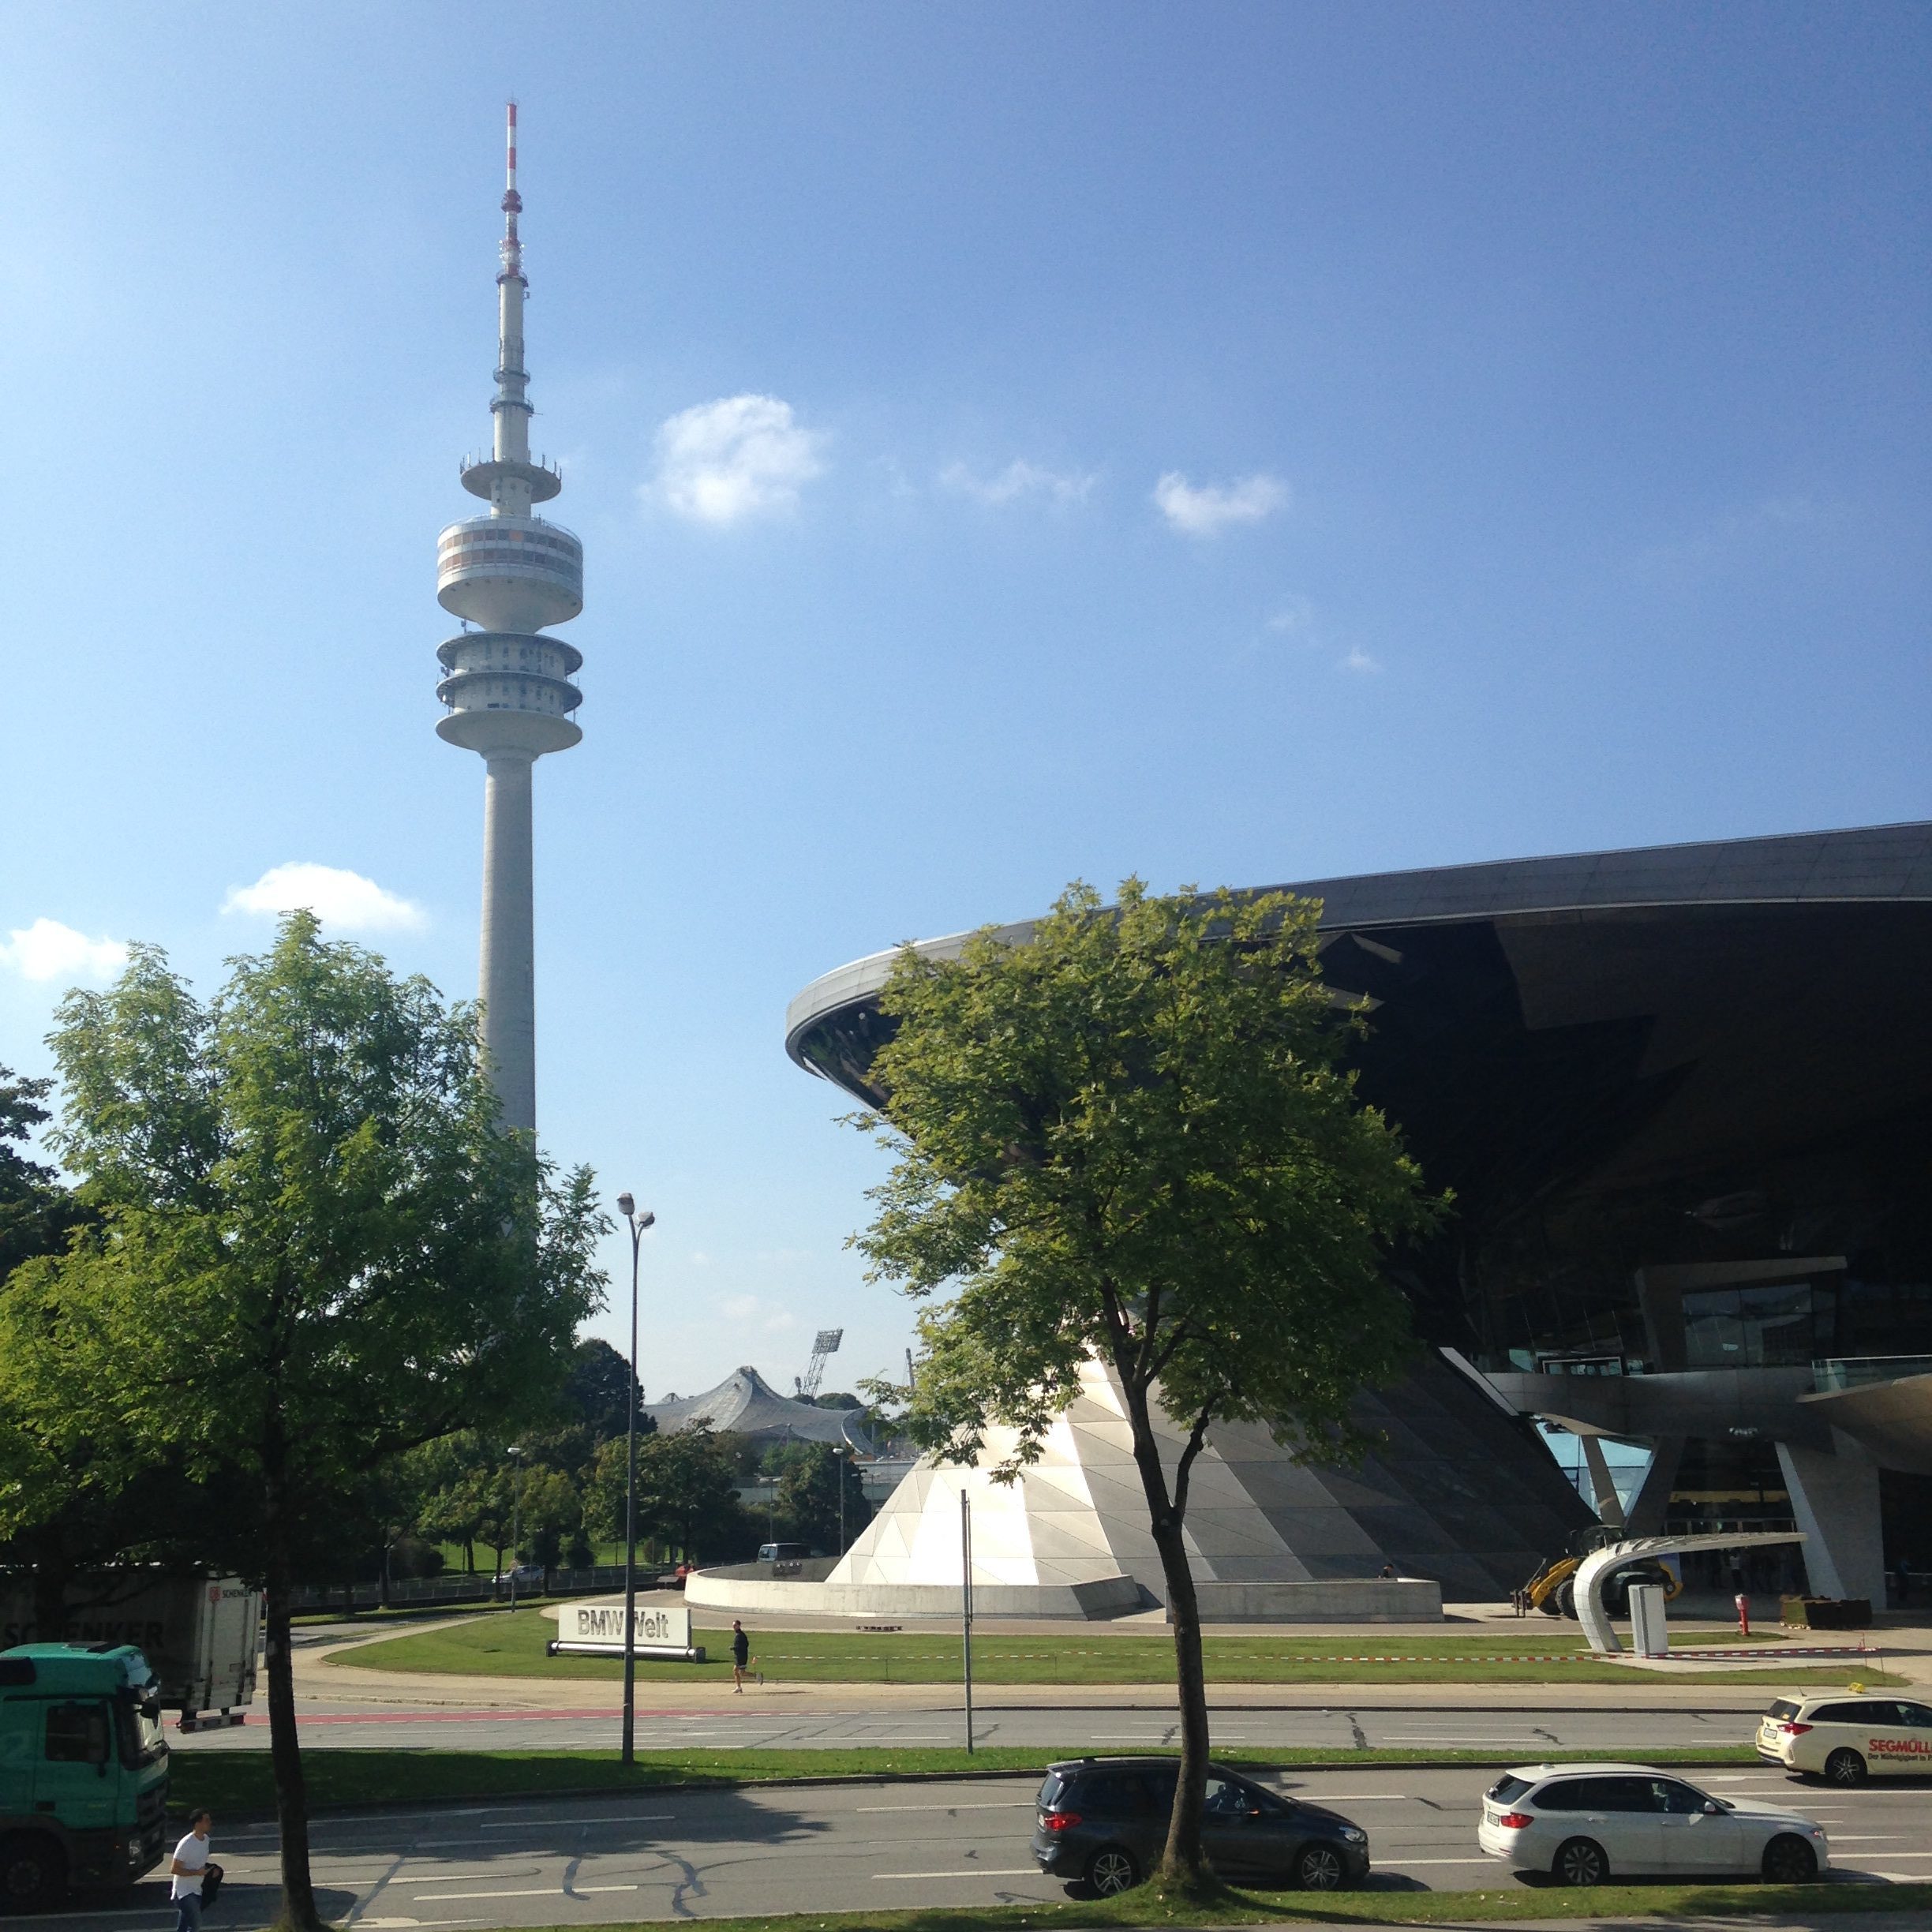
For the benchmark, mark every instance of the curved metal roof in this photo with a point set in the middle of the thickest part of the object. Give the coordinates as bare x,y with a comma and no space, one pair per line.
745,1404
1873,864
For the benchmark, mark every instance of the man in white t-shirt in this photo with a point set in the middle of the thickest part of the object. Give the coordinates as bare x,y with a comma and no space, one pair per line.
187,1867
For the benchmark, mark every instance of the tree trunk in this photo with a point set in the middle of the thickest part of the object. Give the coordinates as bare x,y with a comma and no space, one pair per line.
298,1906
1183,1864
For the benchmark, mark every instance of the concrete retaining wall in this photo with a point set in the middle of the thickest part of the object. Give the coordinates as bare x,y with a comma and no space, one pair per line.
1371,1600
1339,1599
730,1590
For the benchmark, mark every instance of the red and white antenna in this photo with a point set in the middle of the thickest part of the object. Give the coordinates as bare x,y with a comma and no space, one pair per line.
512,201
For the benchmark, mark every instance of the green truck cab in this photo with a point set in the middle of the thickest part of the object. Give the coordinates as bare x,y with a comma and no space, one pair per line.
84,1771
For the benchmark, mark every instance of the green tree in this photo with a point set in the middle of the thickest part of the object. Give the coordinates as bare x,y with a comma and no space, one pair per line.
549,1514
62,1510
317,1250
1133,1137
810,1476
444,1481
686,1493
596,1394
37,1215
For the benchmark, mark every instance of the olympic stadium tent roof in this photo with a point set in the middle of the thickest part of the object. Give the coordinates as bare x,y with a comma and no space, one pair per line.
745,1404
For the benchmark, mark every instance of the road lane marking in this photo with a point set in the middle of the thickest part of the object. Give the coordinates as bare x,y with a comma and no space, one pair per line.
616,1818
457,1878
439,1898
1403,1864
1022,1871
1003,1804
397,1925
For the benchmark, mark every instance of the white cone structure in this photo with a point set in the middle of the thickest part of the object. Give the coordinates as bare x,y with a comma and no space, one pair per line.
1072,1530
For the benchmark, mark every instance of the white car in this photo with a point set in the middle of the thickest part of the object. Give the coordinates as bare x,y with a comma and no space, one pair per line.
1587,1824
1844,1739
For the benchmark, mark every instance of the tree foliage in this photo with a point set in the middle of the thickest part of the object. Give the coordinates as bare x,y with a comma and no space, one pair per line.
316,1249
686,1492
1133,1137
810,1476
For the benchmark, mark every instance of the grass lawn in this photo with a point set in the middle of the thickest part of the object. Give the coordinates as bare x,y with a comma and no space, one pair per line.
508,1645
1146,1907
232,1782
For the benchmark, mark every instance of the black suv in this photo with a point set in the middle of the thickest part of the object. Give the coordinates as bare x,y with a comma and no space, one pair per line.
1104,1820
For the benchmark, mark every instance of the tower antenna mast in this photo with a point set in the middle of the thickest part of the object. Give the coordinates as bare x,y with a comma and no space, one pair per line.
506,688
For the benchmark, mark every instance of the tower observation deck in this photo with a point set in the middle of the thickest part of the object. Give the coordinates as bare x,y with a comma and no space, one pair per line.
506,688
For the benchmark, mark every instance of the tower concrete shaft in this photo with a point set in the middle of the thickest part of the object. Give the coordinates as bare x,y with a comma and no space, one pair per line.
507,687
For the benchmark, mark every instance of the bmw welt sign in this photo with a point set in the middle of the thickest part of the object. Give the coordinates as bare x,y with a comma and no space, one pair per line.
597,1629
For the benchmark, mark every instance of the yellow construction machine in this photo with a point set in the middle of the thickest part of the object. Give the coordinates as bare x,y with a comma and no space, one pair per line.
1552,1589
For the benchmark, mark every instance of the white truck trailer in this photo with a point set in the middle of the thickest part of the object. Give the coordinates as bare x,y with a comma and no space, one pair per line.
200,1635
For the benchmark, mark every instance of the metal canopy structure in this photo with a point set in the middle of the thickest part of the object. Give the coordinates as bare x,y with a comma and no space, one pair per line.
745,1404
1597,1568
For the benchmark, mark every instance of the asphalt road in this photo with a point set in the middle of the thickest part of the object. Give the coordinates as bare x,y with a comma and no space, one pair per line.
739,1723
779,1849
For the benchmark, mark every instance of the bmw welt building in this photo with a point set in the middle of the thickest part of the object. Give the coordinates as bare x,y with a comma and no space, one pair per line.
1684,1099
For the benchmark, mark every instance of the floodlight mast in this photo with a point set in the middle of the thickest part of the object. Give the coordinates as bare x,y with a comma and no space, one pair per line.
825,1342
508,692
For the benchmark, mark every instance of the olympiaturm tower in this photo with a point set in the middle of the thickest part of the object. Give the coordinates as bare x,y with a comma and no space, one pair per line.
507,688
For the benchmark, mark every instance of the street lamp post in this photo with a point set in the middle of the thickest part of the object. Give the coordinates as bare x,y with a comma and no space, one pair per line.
516,1516
637,1223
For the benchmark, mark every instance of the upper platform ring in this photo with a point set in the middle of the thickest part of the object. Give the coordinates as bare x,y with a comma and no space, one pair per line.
481,474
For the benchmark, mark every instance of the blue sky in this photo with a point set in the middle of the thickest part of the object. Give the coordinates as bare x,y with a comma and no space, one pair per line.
1234,444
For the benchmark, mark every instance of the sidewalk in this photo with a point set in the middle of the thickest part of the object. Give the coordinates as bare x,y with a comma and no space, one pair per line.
324,1684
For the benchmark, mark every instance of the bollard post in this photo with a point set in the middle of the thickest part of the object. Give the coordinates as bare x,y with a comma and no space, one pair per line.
1743,1611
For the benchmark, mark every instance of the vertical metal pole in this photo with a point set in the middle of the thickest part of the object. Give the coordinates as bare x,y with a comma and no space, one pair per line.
838,1470
966,1607
516,1524
629,1752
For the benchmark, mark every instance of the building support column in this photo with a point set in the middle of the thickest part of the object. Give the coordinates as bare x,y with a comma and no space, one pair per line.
1651,1503
1834,1496
1603,1485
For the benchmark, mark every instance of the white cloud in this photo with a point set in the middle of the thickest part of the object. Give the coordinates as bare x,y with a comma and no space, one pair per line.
1020,479
345,900
1294,617
1359,661
739,1308
741,456
1207,511
48,950
1739,534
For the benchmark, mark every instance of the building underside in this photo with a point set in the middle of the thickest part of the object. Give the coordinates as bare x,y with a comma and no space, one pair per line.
1683,1097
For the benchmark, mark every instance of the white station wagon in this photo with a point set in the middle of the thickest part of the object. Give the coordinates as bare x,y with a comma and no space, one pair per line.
1846,1740
1587,1824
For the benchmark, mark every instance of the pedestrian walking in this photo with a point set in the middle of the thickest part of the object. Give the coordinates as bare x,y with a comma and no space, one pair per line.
741,1659
188,1868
